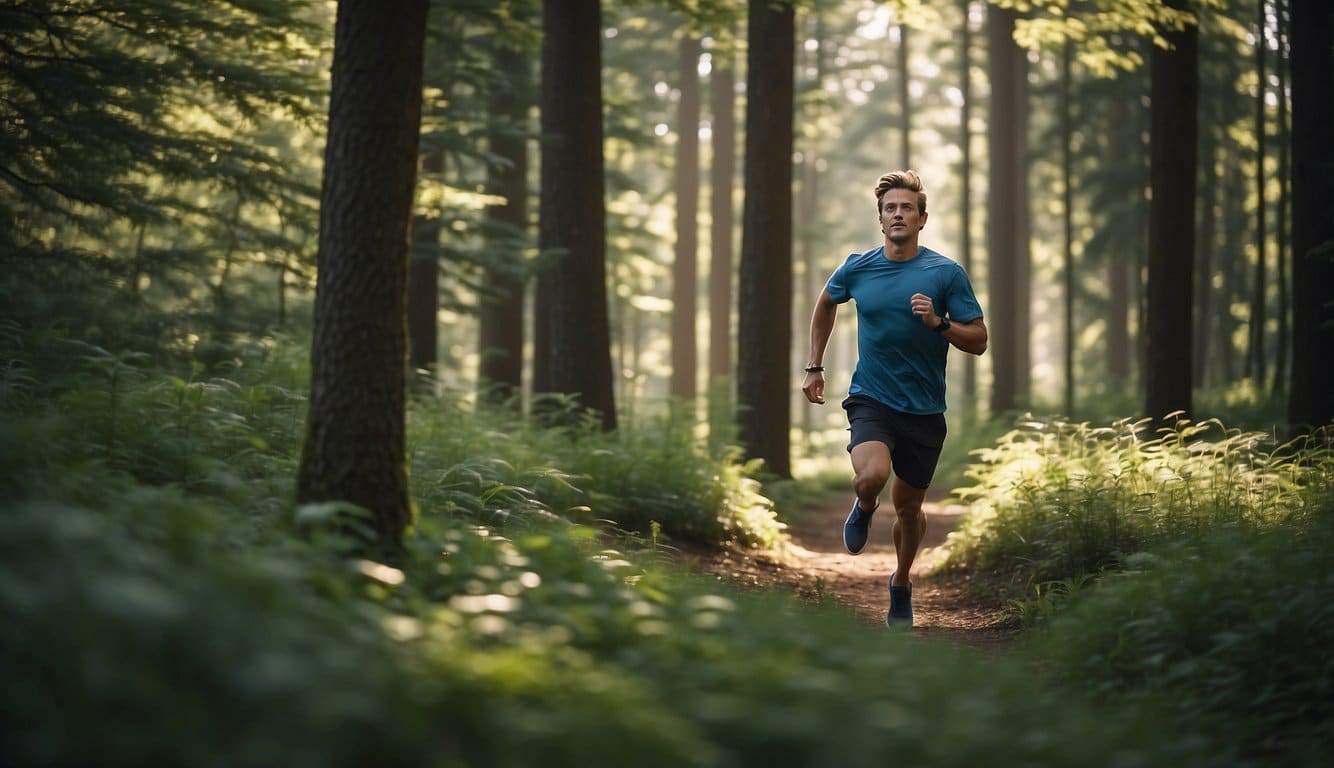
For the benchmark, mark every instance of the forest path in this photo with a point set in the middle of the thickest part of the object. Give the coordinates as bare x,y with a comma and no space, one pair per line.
816,565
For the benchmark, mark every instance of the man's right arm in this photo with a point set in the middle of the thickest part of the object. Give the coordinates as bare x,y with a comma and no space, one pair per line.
822,325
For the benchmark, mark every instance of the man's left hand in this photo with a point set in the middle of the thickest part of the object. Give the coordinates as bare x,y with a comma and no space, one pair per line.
923,307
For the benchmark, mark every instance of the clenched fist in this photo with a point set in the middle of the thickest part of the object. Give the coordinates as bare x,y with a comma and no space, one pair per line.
813,387
923,307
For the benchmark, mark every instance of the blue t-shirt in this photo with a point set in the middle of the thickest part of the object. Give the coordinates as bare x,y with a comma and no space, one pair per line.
900,362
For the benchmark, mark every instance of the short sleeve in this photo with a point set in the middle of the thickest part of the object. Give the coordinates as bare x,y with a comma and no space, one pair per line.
960,301
837,285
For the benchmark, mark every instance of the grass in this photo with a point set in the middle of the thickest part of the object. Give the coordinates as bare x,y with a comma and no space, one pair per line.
165,603
1055,500
1232,629
1188,569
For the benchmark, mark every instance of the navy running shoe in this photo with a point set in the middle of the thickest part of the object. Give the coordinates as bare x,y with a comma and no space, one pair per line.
900,604
857,528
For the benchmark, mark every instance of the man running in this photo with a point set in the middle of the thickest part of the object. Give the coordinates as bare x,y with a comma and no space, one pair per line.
912,304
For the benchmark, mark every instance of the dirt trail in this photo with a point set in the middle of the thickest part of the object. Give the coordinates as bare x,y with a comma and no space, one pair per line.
816,565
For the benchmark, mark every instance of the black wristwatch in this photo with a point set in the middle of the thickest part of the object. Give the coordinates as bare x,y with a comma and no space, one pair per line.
944,325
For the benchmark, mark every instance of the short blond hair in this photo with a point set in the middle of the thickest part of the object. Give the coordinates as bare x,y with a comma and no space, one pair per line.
905,179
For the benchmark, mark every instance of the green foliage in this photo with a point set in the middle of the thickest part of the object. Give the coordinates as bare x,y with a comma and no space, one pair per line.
652,470
1191,568
968,433
1232,628
194,620
151,122
1056,500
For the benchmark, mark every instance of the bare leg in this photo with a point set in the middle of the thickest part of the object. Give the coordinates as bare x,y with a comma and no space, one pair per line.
909,527
870,462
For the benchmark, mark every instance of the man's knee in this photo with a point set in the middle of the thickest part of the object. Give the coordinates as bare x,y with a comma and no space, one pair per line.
910,513
870,483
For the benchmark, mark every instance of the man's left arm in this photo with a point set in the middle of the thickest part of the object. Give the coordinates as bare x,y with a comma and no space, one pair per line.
971,336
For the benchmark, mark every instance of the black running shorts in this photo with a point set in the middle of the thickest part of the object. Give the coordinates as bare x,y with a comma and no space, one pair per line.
914,440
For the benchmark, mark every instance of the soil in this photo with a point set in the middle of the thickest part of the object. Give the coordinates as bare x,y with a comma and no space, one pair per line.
817,567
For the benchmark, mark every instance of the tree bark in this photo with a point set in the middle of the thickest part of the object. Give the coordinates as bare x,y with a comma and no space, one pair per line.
1175,94
1233,267
572,350
722,173
1067,214
721,179
501,315
685,269
1282,342
1119,268
354,449
1023,252
966,173
808,203
1311,396
1257,318
765,286
1002,207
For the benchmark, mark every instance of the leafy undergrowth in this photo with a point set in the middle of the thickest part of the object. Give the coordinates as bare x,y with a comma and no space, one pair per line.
1056,502
164,604
1192,568
1233,629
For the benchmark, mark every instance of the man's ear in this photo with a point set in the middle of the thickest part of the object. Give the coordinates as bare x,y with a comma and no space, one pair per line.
923,222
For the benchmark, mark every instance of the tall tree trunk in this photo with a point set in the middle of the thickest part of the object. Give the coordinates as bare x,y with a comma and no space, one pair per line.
501,315
572,351
1175,93
905,97
1002,207
1311,397
1119,268
1233,265
966,174
354,449
1067,214
765,286
1204,269
424,280
1281,229
1118,318
1023,252
810,204
685,270
722,173
1257,319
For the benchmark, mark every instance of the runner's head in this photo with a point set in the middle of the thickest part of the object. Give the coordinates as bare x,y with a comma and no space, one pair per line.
901,205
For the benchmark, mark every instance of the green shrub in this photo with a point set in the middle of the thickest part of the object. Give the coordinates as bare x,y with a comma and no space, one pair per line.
652,470
1234,629
1056,501
196,619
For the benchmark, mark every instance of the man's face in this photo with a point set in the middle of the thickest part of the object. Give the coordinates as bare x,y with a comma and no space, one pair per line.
899,215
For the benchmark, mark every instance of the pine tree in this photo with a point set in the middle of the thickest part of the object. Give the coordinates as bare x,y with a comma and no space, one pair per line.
572,348
354,449
1311,397
685,267
765,285
1175,93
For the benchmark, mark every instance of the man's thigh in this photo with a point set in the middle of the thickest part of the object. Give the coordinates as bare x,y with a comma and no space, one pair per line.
871,456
